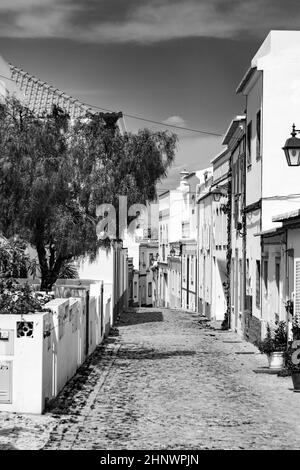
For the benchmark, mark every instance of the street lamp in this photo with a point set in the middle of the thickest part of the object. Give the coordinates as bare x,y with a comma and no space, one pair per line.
292,148
217,193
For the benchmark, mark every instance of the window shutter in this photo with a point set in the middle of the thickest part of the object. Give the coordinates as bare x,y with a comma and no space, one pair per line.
207,237
297,288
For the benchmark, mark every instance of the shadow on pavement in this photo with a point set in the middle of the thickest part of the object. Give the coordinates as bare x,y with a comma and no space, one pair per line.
135,318
7,446
142,354
11,433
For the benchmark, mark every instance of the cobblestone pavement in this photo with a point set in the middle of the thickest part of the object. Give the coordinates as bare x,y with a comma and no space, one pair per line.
24,432
166,383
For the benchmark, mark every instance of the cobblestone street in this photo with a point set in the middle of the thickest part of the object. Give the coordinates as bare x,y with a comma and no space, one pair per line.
166,383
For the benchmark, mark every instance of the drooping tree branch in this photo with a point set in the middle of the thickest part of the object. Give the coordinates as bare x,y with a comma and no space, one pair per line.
54,174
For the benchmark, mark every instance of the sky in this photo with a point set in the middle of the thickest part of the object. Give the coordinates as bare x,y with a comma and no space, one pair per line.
171,61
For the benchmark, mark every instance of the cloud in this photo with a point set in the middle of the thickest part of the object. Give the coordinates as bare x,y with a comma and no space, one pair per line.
117,21
193,154
175,120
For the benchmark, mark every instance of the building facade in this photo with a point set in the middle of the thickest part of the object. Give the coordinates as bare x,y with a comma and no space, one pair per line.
272,187
177,272
204,242
148,254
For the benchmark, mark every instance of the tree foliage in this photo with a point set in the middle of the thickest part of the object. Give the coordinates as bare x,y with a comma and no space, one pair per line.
54,173
14,261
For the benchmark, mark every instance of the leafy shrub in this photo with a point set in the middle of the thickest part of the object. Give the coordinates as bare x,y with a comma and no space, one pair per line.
273,342
19,299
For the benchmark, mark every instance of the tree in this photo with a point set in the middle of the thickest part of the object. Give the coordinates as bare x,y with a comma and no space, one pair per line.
54,173
13,259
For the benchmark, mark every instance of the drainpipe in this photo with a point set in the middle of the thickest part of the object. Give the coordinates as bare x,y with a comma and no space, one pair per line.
229,250
244,239
287,283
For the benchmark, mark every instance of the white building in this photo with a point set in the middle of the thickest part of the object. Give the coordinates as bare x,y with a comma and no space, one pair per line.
235,140
177,284
204,243
272,90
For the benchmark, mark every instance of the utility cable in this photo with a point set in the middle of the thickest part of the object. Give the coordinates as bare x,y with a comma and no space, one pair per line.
140,118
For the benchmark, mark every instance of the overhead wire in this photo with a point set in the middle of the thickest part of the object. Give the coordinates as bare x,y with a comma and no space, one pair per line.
141,118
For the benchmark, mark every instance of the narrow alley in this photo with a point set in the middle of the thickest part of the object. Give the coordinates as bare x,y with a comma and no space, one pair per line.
166,382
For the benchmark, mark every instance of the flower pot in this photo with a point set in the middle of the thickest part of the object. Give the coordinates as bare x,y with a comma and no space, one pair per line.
296,380
275,360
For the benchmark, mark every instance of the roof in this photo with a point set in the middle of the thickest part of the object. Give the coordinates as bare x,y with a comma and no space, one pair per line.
40,96
246,78
220,155
271,231
232,128
164,193
204,195
286,216
190,175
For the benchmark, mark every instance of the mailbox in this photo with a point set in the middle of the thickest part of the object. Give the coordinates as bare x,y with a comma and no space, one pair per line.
4,335
5,381
6,342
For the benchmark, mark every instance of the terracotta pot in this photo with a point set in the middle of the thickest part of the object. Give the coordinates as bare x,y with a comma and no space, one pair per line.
275,360
296,380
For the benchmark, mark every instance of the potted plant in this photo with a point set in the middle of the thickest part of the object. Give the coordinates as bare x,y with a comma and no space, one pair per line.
292,356
273,345
292,363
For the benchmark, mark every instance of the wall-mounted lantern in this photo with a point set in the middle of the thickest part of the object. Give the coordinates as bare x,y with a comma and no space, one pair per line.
292,148
218,192
239,228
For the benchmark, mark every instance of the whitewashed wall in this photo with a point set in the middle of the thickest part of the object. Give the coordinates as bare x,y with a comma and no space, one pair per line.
42,363
23,356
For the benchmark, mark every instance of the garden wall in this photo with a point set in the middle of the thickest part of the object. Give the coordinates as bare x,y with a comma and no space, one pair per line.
40,352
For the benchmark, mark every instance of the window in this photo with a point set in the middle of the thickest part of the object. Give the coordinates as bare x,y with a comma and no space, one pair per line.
258,132
241,293
135,289
192,270
149,289
150,258
277,275
237,189
249,139
236,210
248,280
183,268
257,284
265,274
